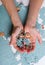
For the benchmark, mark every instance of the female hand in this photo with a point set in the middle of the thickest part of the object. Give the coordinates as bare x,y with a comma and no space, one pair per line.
15,33
34,34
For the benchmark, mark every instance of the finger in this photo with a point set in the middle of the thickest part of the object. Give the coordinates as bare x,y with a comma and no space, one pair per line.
17,31
31,48
14,39
13,42
39,38
19,49
33,39
15,45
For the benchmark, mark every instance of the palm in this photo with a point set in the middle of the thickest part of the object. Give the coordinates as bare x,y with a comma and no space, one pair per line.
34,36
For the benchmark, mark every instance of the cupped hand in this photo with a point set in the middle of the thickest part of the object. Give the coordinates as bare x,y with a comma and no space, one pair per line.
35,35
15,33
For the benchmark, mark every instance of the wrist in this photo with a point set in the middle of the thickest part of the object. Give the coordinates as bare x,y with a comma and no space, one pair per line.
16,22
17,31
31,22
30,25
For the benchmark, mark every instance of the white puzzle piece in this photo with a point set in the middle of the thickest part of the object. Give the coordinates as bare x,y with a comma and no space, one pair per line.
20,64
13,49
18,57
0,3
24,2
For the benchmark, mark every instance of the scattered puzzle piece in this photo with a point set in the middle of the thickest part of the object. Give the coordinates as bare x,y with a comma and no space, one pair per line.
43,27
18,9
20,63
0,3
1,33
18,57
13,49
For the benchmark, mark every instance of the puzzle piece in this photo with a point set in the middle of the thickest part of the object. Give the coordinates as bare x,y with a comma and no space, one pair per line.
43,5
1,33
43,39
18,57
18,9
20,63
13,49
43,27
24,2
0,3
40,21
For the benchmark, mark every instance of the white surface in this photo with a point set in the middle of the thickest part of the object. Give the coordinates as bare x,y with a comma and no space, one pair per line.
41,61
44,28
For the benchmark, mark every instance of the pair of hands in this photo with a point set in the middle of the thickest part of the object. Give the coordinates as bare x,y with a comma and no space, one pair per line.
32,31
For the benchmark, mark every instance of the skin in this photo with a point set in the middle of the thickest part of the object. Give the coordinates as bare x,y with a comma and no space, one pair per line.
31,20
34,8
